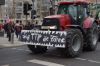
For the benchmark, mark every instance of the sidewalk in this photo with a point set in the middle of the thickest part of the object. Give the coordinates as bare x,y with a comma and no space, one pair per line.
5,43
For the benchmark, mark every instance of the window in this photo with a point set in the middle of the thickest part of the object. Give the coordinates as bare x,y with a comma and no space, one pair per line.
72,10
99,15
63,9
85,12
82,12
19,4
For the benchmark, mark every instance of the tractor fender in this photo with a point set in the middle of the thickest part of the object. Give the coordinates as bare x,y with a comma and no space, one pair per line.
76,27
87,23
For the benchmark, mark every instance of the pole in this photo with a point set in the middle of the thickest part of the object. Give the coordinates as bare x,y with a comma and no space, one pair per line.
26,20
53,7
26,16
0,11
13,17
13,9
96,1
32,20
33,4
41,6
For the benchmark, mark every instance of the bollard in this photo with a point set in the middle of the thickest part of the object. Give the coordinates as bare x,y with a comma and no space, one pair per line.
12,38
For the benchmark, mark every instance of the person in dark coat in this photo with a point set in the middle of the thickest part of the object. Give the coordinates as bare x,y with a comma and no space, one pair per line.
29,26
5,27
10,29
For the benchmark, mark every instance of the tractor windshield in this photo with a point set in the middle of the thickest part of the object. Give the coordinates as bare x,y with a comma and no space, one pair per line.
63,9
67,9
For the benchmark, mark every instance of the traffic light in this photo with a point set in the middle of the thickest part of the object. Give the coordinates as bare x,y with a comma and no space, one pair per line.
29,7
26,7
33,13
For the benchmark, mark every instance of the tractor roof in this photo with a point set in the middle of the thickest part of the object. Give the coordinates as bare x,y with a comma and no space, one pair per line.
74,2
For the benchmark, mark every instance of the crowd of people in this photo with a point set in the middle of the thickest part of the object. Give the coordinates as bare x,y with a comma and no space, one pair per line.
11,27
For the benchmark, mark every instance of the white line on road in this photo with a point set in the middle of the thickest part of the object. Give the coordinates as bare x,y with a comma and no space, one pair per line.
82,59
6,65
44,63
20,49
92,61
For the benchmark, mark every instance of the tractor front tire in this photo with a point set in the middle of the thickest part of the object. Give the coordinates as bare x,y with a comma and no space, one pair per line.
74,43
37,49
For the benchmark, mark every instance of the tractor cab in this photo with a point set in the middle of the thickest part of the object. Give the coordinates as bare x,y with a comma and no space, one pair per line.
76,10
68,13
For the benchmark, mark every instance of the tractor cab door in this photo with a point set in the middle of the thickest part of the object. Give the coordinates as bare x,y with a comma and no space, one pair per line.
72,11
82,13
77,14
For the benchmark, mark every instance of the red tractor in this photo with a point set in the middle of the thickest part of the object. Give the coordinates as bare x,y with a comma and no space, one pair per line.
72,29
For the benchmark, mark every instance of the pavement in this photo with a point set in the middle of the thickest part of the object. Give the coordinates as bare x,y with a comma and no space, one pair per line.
5,43
22,56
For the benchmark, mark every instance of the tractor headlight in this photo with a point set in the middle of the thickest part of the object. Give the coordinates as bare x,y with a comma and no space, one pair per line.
52,27
48,27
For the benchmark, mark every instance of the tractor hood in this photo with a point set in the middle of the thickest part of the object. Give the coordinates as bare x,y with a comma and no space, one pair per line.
60,20
63,18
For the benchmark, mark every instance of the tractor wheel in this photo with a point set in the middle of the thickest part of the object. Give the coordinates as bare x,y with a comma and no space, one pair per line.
37,49
74,43
92,38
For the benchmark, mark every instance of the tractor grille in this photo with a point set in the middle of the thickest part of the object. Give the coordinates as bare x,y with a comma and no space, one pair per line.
51,22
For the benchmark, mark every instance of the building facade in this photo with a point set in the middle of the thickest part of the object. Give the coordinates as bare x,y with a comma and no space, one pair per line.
14,8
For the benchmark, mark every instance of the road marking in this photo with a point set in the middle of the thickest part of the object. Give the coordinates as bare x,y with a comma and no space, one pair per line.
92,61
6,65
20,49
44,63
80,59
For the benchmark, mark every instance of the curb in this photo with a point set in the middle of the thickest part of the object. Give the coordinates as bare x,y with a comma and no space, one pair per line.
9,45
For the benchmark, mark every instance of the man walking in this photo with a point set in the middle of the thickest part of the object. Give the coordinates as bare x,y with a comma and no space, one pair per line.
10,29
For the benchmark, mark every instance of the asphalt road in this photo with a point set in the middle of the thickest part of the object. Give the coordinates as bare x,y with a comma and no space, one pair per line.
21,56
